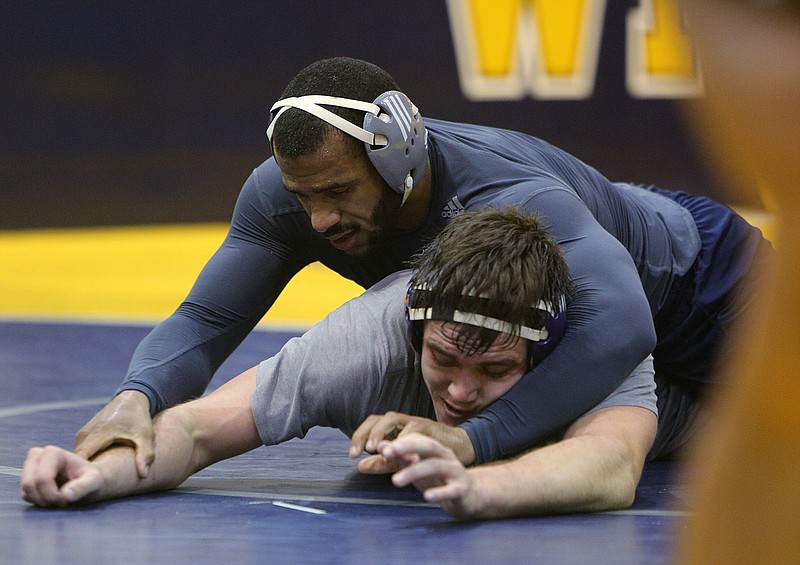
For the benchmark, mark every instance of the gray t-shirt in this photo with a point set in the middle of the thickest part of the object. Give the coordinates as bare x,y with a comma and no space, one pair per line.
358,361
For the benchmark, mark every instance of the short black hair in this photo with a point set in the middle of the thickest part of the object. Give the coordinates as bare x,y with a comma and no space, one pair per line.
300,133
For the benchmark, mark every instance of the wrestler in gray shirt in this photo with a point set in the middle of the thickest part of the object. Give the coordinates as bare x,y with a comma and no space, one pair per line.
358,361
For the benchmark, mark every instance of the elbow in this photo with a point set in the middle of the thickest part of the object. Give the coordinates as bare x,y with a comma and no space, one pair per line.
649,338
625,483
641,338
640,343
617,493
623,492
618,490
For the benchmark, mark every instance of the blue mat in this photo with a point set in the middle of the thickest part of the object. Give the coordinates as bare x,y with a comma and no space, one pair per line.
301,502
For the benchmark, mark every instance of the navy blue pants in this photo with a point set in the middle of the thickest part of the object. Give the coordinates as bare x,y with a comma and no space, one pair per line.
697,318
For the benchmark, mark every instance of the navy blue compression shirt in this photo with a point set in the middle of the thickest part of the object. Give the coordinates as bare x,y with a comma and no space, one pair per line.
624,245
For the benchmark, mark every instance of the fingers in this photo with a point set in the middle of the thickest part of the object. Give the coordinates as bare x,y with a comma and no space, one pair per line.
142,441
52,476
82,487
428,465
449,436
145,455
375,429
435,471
87,446
378,465
452,491
429,473
94,436
359,439
416,444
125,420
33,488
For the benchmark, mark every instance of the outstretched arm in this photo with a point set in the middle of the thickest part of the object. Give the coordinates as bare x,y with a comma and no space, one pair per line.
596,467
188,438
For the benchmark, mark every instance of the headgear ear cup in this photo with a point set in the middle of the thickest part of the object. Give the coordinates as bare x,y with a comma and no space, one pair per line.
414,327
556,325
402,159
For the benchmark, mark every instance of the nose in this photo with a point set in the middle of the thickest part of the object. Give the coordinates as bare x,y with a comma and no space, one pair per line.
464,388
323,216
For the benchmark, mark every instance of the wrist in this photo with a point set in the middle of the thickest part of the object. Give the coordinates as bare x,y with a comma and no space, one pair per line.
489,492
133,398
464,450
114,477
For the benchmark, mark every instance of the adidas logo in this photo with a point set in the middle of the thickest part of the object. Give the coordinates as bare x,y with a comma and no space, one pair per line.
452,208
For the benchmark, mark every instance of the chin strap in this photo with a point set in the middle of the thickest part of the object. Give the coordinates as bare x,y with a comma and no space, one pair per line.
408,187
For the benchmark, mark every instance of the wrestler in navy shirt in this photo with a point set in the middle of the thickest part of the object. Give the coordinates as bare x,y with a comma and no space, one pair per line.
645,263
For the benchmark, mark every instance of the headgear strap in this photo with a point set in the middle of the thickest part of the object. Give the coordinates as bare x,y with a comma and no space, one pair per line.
533,328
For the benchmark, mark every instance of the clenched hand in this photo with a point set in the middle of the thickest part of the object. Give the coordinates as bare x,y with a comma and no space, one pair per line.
391,425
53,476
125,420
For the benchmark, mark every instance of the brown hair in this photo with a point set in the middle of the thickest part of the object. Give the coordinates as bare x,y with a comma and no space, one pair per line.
502,258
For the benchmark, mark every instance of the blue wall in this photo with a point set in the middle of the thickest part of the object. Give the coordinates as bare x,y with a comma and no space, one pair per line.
148,112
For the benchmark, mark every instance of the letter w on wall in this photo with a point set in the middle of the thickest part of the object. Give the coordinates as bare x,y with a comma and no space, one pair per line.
549,49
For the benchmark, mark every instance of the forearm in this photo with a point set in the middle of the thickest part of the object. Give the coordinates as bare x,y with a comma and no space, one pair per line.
173,363
580,474
590,361
175,460
176,361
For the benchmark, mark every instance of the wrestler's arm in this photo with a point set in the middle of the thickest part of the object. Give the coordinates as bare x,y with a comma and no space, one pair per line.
609,332
595,466
188,437
176,361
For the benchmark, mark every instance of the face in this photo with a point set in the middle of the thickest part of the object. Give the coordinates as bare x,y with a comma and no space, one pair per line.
345,197
462,385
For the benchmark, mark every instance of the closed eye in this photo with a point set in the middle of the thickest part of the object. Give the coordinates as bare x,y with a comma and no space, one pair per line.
496,372
499,369
443,360
337,188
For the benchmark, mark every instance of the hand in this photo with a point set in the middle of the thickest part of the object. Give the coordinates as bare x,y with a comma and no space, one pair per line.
391,425
436,471
124,420
53,476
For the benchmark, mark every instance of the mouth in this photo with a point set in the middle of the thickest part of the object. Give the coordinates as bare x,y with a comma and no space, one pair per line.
455,414
344,241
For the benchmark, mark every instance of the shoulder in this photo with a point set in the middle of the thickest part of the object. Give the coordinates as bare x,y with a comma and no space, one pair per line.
265,186
385,300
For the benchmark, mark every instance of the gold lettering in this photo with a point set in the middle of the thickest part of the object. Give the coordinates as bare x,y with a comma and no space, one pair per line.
660,60
506,49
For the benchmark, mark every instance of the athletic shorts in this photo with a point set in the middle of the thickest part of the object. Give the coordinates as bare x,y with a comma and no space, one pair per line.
693,325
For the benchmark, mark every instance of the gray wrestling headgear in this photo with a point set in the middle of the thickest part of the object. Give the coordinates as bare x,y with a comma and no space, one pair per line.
393,132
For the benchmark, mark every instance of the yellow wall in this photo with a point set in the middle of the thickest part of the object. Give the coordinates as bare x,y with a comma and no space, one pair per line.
136,274
141,274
